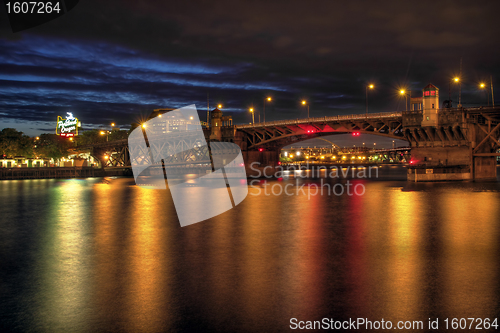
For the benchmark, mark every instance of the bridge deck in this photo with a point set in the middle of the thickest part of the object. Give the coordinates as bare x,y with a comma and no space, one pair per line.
371,116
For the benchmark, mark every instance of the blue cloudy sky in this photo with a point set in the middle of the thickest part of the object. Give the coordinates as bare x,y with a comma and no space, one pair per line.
115,61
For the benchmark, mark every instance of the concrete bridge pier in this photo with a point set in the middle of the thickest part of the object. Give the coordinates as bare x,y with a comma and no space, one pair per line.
462,144
256,161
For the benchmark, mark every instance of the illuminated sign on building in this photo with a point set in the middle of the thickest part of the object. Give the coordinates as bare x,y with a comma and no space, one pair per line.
68,126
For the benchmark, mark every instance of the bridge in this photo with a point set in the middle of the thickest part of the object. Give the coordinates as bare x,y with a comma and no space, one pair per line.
284,132
462,142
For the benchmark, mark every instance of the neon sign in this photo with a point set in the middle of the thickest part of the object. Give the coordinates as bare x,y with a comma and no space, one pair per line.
67,127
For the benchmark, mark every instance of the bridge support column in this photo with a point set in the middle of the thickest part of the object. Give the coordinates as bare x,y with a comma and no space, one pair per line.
471,157
440,164
256,161
483,142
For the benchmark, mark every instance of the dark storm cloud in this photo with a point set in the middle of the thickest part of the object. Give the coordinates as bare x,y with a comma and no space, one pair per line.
109,60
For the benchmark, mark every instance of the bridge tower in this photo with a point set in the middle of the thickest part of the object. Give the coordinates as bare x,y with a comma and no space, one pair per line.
430,101
215,124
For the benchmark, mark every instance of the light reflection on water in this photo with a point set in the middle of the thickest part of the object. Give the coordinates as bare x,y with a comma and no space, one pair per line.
104,255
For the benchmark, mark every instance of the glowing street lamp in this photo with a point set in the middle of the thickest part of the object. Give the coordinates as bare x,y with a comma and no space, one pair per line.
219,106
403,92
105,132
264,109
112,124
305,103
253,116
483,86
370,86
459,81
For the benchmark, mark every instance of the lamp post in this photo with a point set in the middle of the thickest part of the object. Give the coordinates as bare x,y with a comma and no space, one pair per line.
305,103
370,86
483,86
403,92
253,116
266,99
492,95
107,133
457,80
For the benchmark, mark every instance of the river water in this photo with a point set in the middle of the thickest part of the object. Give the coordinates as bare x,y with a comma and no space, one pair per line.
102,254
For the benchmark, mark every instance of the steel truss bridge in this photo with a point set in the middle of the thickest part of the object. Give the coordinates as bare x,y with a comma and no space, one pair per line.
284,132
453,130
187,151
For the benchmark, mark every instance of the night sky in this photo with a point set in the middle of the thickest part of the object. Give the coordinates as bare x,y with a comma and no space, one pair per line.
115,61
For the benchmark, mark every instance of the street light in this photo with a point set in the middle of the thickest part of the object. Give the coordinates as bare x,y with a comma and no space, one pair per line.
253,116
370,86
112,124
482,86
264,111
457,80
403,92
305,103
219,106
105,132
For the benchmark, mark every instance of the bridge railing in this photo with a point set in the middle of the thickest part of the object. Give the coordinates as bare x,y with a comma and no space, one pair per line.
326,118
